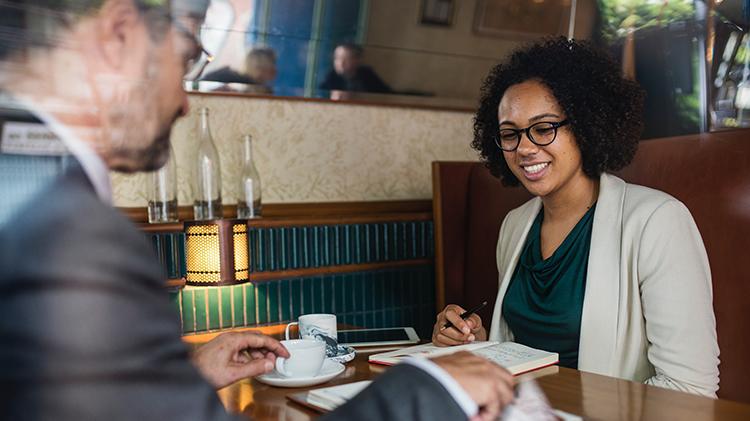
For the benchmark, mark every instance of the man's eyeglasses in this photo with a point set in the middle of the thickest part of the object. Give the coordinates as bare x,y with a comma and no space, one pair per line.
541,134
199,50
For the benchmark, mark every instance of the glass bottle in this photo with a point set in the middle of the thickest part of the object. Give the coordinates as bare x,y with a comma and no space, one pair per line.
249,193
207,176
162,194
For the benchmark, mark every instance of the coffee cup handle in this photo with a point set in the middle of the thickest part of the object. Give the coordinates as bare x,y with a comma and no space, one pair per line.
286,332
280,366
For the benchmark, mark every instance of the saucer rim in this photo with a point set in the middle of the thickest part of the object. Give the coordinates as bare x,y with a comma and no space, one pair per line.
336,369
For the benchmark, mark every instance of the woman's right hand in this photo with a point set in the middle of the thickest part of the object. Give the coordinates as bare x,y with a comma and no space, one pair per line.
462,332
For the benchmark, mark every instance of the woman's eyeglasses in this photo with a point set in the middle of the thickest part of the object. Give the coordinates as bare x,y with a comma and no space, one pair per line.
541,134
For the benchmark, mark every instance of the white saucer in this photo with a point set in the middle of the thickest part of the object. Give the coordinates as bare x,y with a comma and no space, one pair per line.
330,370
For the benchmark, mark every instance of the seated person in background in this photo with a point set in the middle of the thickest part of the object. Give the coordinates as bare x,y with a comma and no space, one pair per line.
86,327
612,276
260,71
349,74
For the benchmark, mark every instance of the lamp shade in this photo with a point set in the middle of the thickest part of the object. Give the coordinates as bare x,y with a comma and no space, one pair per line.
216,252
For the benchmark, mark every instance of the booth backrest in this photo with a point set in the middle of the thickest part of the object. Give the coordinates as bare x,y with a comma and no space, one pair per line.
709,172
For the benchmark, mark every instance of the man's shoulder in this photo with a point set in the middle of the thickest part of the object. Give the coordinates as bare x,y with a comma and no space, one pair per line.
68,204
71,233
369,76
332,81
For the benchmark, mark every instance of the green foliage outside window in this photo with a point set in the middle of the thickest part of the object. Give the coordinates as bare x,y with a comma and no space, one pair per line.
618,16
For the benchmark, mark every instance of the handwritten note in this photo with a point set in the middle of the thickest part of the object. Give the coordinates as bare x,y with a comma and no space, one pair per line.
508,354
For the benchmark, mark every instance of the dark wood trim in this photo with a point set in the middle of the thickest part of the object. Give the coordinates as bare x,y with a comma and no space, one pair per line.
337,220
184,213
410,102
171,227
321,211
437,213
329,270
226,251
176,283
267,222
346,208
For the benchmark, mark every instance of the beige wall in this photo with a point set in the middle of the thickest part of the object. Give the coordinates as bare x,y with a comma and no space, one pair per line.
317,151
408,55
447,61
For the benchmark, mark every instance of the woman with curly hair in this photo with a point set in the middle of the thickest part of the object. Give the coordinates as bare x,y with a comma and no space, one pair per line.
612,276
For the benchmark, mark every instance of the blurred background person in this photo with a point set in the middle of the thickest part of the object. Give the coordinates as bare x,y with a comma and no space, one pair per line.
349,74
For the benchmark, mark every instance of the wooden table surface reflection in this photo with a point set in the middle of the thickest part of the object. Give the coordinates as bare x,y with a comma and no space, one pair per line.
589,395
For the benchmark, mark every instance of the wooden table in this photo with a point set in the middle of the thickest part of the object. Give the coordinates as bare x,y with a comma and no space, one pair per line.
589,395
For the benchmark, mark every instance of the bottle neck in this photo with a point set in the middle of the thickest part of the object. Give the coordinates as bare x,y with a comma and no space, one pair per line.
248,149
205,132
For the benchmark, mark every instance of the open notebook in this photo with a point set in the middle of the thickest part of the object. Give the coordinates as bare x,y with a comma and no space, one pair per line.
516,358
329,398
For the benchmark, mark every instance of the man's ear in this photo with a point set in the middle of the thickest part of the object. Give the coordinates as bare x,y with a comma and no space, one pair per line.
119,29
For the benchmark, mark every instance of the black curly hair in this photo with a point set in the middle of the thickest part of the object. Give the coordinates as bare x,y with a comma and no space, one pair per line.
604,109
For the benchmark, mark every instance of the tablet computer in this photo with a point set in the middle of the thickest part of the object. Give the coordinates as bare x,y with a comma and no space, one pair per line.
378,336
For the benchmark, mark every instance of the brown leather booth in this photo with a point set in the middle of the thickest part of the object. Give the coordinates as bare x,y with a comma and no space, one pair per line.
709,172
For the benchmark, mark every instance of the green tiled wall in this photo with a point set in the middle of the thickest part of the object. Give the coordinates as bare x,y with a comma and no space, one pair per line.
300,247
383,298
333,245
170,250
403,296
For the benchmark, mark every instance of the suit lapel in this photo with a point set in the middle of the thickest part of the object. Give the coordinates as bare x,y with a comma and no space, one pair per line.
602,297
73,169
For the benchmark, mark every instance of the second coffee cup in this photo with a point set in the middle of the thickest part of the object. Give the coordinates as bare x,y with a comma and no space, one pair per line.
315,326
320,327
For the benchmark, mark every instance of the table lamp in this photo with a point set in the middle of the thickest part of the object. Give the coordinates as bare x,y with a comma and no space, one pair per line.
216,252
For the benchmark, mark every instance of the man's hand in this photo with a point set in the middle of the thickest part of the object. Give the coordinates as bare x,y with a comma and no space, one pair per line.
462,332
233,356
488,384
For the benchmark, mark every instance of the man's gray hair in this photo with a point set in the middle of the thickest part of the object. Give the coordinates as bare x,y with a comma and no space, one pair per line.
27,24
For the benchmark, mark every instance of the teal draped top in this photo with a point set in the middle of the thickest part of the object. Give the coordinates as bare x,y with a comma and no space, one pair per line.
544,300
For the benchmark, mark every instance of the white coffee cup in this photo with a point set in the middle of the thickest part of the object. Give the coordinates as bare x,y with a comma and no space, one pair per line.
306,357
311,326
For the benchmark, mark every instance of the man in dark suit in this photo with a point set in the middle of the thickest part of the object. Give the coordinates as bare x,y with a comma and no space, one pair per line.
85,326
349,74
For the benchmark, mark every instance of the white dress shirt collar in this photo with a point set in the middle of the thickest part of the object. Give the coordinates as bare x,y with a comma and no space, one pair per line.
93,165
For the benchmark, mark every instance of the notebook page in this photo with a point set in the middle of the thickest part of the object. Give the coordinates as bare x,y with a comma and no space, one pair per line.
510,354
338,395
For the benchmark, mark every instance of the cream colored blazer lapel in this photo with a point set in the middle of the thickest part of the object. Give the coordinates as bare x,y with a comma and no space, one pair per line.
601,301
